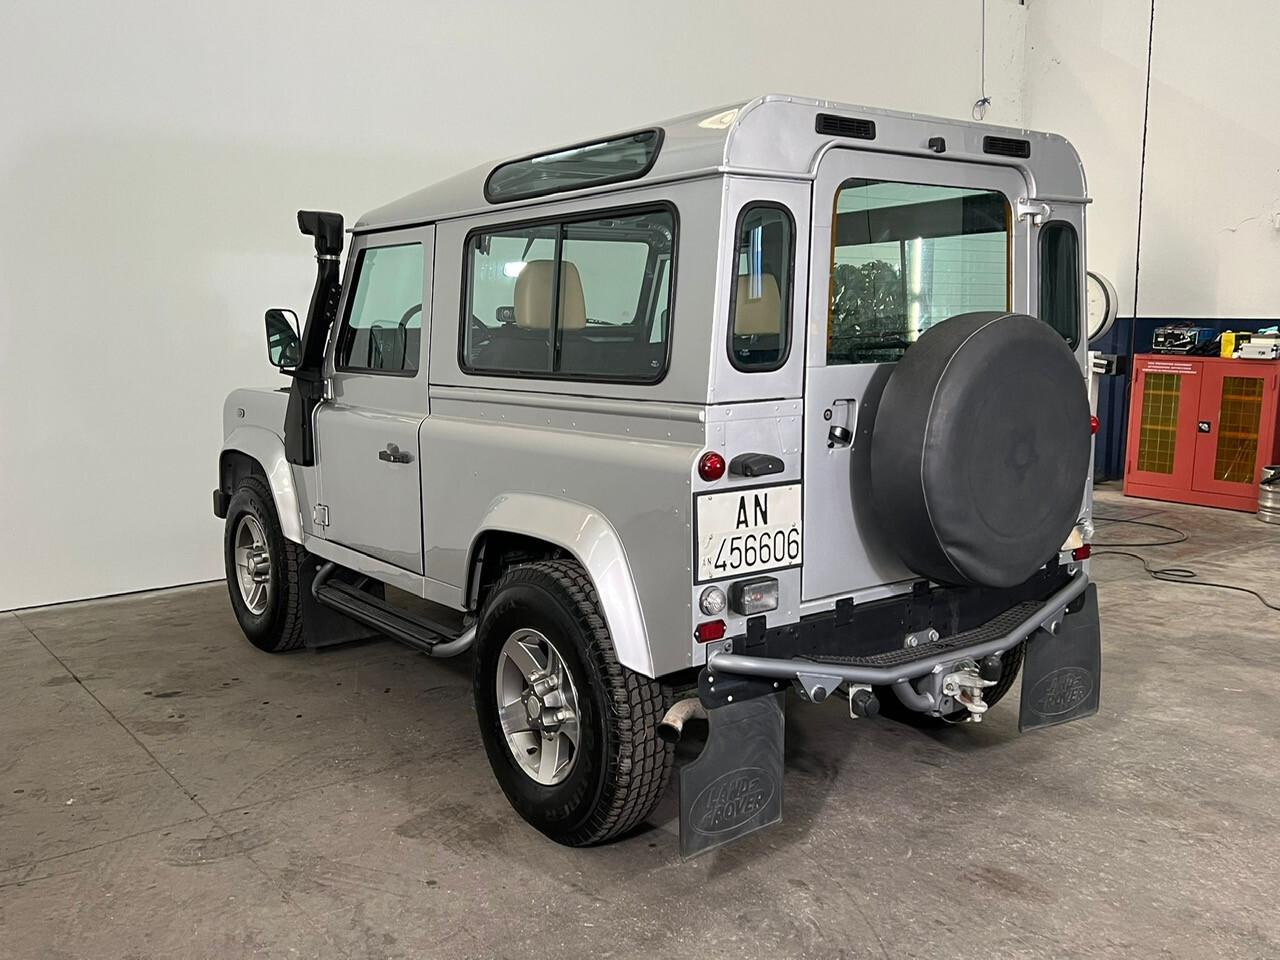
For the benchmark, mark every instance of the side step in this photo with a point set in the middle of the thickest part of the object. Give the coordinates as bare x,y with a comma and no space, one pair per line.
420,632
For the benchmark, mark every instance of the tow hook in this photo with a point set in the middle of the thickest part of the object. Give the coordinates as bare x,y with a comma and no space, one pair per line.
965,684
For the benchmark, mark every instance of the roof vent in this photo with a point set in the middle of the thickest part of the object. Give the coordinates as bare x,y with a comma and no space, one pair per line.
854,127
1006,147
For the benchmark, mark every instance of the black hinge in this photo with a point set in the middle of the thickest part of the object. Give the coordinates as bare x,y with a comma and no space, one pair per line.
855,127
1006,147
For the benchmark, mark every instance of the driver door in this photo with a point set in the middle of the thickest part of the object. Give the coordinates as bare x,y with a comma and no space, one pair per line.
367,428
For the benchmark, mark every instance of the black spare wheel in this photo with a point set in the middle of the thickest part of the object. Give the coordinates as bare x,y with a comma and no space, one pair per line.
980,449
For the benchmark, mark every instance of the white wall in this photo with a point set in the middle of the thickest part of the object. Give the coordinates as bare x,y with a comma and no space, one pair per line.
1210,246
1210,243
152,155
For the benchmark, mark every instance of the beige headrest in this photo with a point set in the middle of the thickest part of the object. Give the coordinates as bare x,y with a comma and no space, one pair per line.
533,296
762,314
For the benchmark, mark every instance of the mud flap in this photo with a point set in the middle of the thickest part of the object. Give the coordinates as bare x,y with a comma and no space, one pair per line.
735,786
1061,673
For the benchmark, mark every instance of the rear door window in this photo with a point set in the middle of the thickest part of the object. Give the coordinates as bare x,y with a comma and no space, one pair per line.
906,256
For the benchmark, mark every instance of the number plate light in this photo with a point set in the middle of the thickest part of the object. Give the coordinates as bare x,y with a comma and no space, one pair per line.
749,597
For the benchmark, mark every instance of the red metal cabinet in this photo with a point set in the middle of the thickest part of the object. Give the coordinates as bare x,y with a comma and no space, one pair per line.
1201,429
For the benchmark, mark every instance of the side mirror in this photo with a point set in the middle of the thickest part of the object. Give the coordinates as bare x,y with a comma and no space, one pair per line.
284,348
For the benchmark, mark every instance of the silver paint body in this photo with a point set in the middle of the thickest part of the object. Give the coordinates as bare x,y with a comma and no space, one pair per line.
607,471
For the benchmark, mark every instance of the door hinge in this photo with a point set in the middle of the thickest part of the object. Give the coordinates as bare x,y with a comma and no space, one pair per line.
1037,211
320,515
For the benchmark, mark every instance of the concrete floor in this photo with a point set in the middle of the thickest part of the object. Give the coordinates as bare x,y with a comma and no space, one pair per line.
167,791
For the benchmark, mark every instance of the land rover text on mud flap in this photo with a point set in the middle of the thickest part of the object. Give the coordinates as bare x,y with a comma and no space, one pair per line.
789,394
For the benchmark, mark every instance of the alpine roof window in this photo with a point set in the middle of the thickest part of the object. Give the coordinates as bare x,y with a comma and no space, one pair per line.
572,168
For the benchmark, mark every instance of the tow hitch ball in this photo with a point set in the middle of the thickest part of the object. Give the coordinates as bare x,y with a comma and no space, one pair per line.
966,681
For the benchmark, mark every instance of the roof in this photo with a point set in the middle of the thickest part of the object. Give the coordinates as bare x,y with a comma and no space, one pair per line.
772,134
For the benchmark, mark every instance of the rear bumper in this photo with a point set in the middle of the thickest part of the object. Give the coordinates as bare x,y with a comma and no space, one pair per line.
740,675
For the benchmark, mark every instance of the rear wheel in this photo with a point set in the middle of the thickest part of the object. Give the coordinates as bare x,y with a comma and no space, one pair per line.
570,733
263,569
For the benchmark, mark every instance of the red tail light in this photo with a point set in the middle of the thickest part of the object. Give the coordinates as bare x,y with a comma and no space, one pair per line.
710,631
711,467
1082,552
1094,424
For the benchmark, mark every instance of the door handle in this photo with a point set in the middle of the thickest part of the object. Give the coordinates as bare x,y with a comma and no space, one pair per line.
393,454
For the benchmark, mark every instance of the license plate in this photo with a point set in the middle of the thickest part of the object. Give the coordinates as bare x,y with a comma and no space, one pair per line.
748,531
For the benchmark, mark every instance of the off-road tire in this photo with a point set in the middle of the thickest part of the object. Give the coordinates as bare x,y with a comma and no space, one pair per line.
895,709
279,626
622,767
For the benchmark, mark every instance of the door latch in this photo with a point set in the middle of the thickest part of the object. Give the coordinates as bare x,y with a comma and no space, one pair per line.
393,454
841,415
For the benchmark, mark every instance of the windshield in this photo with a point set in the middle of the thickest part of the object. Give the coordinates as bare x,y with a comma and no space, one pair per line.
906,256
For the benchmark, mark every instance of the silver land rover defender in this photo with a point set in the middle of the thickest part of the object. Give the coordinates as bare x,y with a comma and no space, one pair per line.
785,395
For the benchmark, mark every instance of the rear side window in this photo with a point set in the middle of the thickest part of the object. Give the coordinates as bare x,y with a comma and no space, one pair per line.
383,329
760,298
906,256
586,298
1060,279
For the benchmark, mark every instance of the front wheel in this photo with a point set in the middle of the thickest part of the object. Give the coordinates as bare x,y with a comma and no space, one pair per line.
570,733
263,569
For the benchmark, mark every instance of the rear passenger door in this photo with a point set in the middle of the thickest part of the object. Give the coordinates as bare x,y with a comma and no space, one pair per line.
367,428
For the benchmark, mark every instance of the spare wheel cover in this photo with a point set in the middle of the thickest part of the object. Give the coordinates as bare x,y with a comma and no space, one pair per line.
980,449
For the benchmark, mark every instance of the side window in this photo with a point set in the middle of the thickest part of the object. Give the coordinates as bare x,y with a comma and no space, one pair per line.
1060,279
383,328
760,299
509,320
582,298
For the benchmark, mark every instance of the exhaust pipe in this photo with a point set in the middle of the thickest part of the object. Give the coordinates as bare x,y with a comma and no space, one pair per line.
671,726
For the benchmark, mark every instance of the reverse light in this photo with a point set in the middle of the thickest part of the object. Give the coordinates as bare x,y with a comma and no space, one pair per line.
710,631
712,601
749,597
711,466
1094,424
1082,552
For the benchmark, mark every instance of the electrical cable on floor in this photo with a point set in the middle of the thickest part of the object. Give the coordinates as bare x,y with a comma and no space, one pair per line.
1179,536
1181,575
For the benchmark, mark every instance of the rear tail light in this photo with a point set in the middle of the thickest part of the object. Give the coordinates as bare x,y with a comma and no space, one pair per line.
749,597
711,466
1082,552
710,631
1094,423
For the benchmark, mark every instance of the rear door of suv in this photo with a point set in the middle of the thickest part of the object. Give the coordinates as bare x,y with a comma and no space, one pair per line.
898,244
